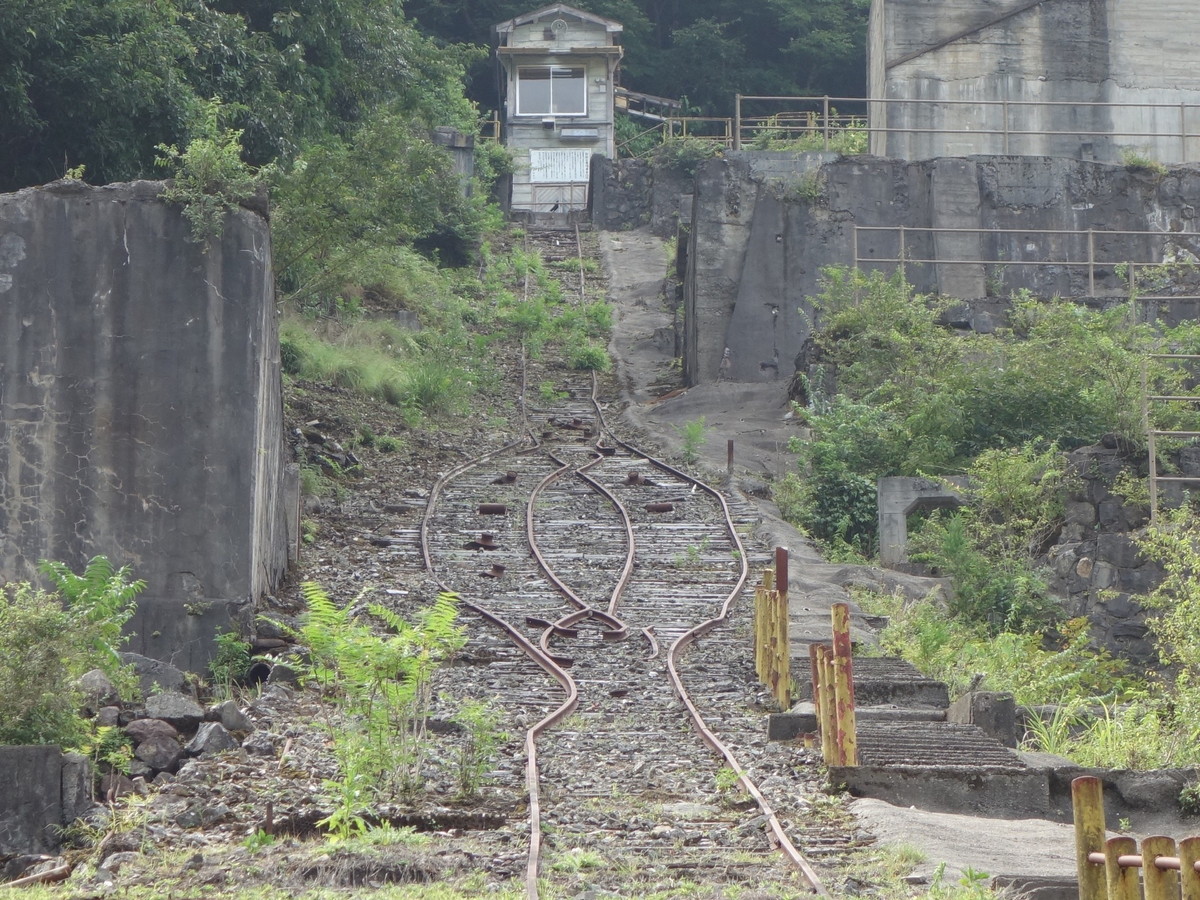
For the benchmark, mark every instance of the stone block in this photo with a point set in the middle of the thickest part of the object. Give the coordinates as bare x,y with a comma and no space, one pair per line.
988,793
993,712
32,810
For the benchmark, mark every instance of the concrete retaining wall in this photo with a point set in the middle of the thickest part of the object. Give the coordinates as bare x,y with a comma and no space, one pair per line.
765,224
141,405
971,56
632,193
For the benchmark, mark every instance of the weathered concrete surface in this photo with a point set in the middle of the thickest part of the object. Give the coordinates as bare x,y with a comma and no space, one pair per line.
898,497
971,57
1028,846
31,799
764,226
140,397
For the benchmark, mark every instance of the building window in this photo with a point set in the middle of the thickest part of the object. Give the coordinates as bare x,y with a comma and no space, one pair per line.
551,91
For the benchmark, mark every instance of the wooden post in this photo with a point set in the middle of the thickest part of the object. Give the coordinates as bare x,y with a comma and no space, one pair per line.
1189,878
847,737
829,746
1087,799
1159,884
1123,881
784,651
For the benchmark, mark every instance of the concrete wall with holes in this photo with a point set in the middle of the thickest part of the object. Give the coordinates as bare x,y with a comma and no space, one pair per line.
1003,65
141,405
763,225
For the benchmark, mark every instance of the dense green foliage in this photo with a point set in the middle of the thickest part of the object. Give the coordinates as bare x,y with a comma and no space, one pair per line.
47,640
896,392
704,51
101,84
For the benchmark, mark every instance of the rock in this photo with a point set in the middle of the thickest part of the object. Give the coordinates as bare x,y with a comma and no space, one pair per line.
114,861
211,738
182,712
108,717
114,785
211,815
77,783
159,752
155,676
143,729
98,690
189,818
282,673
139,769
230,716
259,744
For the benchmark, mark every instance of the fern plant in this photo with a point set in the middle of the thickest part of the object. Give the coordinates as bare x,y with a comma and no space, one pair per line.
381,680
100,601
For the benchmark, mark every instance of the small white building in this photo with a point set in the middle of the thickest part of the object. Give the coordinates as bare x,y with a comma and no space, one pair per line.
560,67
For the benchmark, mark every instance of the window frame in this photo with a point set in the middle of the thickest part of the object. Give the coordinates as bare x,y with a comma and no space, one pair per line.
551,72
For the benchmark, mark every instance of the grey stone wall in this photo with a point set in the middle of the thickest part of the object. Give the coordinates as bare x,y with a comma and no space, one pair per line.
1105,75
632,193
1096,563
765,224
140,404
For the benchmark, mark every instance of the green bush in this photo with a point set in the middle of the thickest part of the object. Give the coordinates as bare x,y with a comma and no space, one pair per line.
40,656
589,356
47,641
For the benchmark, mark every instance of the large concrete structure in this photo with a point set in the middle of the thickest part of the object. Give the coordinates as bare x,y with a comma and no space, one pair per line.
141,405
1085,79
560,73
764,225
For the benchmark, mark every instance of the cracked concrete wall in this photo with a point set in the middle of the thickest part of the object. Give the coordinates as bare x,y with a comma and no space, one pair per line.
764,225
140,401
966,59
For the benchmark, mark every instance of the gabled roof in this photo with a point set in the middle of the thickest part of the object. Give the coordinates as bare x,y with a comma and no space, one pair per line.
557,10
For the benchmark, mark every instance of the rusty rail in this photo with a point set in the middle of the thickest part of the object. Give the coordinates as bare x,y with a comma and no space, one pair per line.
1109,869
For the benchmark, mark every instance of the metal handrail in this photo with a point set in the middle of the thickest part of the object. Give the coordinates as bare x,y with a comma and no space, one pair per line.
877,107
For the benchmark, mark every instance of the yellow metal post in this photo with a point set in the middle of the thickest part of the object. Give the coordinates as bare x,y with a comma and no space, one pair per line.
815,670
828,721
1123,881
1159,884
1087,799
1189,878
783,647
843,673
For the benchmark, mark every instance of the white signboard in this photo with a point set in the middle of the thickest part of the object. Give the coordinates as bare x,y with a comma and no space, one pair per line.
559,166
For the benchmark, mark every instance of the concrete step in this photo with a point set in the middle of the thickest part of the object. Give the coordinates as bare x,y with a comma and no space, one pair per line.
881,681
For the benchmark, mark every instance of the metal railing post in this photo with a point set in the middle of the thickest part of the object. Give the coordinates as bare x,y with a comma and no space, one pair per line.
829,744
737,122
1005,114
1158,883
1183,132
825,113
1087,800
1124,882
854,245
1189,855
1091,263
843,673
783,674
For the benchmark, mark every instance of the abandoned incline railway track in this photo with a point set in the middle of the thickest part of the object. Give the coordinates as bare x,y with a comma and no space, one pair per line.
608,602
